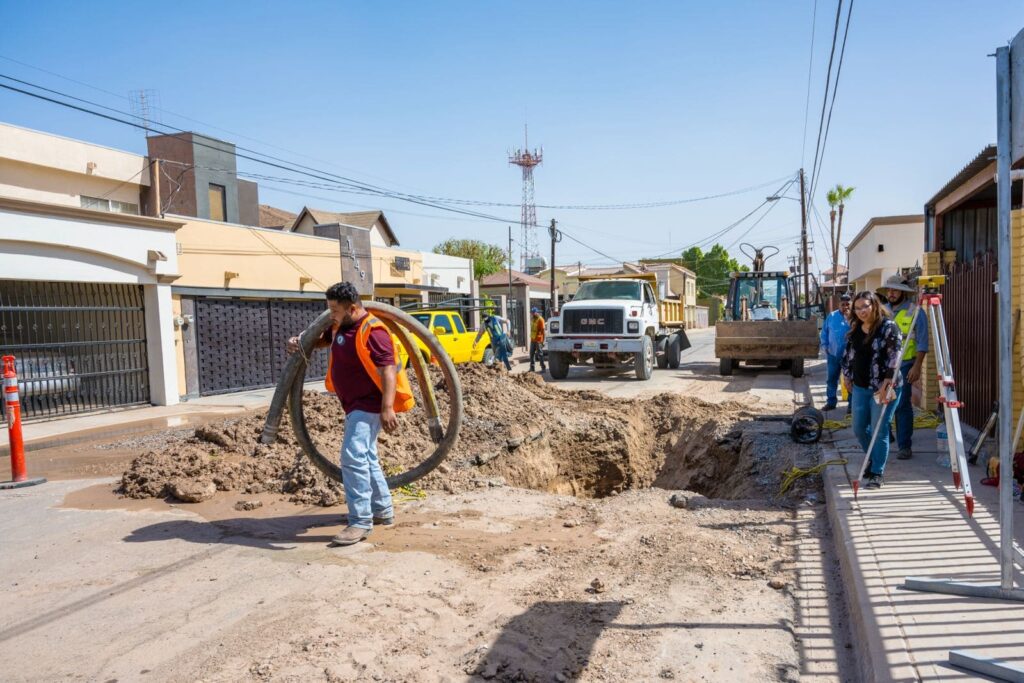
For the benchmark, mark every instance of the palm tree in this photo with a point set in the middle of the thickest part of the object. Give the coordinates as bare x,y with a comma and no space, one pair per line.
837,196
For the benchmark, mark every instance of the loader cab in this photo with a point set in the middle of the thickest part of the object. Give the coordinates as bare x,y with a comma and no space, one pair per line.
760,296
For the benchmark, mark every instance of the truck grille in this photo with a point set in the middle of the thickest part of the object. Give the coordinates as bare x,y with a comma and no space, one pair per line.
592,321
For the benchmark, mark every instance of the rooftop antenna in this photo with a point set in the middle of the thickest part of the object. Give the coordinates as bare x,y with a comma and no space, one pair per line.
144,102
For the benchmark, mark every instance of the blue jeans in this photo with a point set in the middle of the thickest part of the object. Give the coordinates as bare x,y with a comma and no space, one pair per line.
366,492
832,383
865,416
905,409
501,353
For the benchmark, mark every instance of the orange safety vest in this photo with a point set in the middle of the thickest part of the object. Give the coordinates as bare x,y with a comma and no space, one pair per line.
404,400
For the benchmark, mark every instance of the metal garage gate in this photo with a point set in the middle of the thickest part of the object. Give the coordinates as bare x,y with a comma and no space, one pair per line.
240,343
79,346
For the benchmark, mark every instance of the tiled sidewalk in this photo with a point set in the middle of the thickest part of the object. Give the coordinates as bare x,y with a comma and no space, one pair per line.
916,526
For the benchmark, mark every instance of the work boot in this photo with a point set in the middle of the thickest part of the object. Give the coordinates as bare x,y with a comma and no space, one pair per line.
904,454
350,535
874,482
831,405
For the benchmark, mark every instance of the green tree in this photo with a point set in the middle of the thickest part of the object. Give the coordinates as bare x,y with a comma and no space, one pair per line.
487,258
712,269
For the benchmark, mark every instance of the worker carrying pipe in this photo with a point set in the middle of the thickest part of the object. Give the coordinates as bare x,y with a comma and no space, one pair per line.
363,371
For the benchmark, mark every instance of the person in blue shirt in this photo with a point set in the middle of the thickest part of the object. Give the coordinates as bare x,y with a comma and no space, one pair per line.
902,304
833,341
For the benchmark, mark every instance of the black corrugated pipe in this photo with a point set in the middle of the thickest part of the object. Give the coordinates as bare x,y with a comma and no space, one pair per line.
289,390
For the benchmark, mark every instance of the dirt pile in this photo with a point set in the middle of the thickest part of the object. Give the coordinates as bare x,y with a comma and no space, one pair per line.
516,431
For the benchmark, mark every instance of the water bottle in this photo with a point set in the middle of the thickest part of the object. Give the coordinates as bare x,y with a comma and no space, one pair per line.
942,446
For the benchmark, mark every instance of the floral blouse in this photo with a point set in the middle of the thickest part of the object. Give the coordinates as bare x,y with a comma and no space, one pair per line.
885,354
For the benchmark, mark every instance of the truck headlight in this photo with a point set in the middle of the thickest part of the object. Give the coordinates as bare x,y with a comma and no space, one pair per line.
633,326
553,326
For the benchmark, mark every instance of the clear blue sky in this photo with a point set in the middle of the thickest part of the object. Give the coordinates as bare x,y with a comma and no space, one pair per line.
633,102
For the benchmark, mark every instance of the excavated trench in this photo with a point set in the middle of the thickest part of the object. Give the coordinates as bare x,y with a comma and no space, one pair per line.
517,431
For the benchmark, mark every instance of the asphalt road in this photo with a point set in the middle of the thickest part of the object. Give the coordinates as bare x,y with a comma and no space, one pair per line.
697,376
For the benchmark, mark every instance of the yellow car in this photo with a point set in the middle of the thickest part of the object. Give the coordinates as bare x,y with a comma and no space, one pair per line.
455,337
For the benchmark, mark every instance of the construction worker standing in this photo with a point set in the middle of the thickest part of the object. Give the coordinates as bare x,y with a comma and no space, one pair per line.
833,341
900,297
537,339
362,370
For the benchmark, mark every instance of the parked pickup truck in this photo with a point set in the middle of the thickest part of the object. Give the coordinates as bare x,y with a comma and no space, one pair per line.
616,322
455,337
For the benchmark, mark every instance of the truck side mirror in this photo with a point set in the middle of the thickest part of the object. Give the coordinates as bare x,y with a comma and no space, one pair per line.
438,331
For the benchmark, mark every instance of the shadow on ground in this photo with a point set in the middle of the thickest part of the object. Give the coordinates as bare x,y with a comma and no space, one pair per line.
267,533
548,639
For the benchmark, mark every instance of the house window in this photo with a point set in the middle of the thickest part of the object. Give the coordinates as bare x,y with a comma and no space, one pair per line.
111,205
218,203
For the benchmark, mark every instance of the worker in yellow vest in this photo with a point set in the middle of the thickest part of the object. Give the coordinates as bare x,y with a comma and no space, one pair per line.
363,371
902,304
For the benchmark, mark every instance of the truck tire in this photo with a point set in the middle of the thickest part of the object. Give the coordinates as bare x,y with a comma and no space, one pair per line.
674,352
488,358
662,355
725,366
643,364
558,364
797,368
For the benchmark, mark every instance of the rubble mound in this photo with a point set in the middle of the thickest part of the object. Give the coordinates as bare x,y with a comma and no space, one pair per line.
516,431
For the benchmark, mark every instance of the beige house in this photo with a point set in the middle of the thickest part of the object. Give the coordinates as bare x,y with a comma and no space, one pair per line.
885,245
85,288
146,310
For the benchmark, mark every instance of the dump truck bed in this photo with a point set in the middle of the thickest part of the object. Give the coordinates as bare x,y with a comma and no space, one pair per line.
766,340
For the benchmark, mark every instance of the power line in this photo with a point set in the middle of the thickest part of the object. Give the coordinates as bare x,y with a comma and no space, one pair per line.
835,88
828,82
184,117
810,65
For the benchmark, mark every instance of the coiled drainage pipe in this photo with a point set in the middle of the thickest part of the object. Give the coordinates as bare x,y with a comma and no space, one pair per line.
401,324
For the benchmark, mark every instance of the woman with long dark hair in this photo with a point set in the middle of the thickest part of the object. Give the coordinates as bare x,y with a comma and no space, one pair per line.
870,373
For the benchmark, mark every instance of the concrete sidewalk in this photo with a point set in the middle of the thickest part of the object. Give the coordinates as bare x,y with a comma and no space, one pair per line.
916,526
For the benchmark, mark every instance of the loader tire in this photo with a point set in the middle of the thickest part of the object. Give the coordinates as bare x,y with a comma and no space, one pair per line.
797,368
725,366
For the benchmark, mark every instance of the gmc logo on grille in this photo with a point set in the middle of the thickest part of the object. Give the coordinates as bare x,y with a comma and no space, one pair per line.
591,321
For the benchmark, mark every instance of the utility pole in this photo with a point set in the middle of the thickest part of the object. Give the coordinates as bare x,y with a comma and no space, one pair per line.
805,270
509,269
555,237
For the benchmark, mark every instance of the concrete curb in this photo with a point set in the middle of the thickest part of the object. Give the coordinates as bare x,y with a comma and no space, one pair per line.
874,662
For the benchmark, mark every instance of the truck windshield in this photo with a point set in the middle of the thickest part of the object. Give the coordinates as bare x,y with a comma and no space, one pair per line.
628,291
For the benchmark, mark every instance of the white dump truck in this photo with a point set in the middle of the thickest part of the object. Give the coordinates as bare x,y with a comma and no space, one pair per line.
617,321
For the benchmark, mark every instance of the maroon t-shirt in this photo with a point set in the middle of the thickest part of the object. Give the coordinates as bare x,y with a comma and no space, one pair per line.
354,387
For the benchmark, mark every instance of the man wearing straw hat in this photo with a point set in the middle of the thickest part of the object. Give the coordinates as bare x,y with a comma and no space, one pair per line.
900,296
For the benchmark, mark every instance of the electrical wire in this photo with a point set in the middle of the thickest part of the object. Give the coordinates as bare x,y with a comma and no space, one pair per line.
835,88
810,65
828,82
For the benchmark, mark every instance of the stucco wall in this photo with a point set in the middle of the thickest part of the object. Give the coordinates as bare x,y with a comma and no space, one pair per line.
32,182
72,156
263,258
904,248
452,272
384,271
